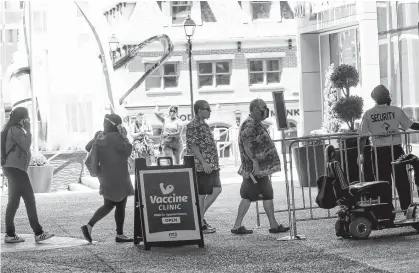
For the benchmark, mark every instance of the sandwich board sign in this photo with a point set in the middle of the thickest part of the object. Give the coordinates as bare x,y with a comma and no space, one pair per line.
166,204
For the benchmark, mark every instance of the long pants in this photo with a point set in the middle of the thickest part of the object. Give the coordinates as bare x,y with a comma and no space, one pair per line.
400,176
20,186
107,207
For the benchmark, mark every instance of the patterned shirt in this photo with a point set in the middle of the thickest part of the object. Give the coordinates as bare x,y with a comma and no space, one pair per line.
198,132
261,146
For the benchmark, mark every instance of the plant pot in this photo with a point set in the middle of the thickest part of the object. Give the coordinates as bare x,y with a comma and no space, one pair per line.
351,153
306,165
41,178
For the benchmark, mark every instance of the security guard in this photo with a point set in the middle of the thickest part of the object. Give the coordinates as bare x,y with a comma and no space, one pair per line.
385,119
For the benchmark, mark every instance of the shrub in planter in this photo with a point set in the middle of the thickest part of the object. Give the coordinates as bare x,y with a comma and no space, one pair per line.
40,173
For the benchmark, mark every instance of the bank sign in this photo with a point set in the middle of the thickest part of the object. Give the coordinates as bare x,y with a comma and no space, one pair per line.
170,213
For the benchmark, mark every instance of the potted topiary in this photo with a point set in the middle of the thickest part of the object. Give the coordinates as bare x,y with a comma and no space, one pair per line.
348,109
40,173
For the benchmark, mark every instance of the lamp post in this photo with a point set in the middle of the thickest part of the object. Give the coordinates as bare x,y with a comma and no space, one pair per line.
113,46
189,26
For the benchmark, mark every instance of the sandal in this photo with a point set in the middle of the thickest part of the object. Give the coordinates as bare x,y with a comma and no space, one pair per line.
241,231
279,229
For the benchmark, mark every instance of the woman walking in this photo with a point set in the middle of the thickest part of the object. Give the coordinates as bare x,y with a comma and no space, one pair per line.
111,149
143,146
16,141
171,138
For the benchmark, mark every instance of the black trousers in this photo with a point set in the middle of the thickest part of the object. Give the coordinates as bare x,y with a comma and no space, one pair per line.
20,186
400,176
107,207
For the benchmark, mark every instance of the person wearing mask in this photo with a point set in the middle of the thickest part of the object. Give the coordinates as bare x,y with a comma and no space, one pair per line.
385,119
201,144
112,151
171,138
16,139
143,146
259,160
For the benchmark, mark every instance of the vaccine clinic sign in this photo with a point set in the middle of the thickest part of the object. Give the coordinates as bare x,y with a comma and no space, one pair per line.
168,198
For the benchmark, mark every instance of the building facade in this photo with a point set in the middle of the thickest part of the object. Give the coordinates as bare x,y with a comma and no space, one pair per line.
379,38
241,50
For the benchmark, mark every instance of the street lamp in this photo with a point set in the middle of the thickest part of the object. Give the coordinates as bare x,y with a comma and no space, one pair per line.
189,26
113,45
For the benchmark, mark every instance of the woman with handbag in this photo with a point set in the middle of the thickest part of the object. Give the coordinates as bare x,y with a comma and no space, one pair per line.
143,146
109,154
171,136
16,141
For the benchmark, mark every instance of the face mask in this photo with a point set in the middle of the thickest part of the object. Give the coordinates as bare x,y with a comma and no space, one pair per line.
265,113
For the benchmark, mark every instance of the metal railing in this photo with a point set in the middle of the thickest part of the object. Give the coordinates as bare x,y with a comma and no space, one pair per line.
310,163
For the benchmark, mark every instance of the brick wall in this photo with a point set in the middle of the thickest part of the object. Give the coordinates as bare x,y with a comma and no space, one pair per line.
239,62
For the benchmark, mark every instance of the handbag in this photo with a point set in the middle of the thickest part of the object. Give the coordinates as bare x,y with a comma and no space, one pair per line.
92,161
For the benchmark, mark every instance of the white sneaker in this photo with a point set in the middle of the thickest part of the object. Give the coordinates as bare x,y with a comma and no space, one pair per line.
44,236
13,239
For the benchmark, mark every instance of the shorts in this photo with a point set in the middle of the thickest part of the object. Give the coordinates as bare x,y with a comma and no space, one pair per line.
261,191
208,181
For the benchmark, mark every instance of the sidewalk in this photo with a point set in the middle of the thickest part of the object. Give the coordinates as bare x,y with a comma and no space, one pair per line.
391,250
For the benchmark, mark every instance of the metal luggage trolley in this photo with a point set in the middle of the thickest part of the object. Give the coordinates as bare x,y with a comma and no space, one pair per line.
166,207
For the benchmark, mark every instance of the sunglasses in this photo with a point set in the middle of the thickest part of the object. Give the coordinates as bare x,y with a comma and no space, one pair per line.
172,111
113,123
207,109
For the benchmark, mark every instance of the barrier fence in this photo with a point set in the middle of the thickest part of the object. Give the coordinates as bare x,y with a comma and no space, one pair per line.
307,162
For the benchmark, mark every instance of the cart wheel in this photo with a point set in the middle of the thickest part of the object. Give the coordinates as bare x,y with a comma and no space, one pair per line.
201,245
360,228
341,228
147,247
416,226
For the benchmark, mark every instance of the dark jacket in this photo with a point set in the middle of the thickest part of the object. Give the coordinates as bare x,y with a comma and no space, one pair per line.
20,156
113,152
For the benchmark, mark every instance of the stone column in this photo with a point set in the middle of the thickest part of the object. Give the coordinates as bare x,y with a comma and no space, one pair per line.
369,49
310,83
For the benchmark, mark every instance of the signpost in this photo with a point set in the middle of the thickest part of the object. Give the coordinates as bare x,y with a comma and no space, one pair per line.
282,123
166,204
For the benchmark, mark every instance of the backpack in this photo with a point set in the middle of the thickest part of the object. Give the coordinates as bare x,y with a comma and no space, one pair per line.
326,197
5,154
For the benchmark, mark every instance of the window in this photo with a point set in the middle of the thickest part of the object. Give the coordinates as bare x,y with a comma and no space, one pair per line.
180,10
11,36
260,10
76,117
165,77
213,74
265,71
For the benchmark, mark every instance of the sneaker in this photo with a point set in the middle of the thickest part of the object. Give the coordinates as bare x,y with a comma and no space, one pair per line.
44,236
207,229
87,233
206,223
123,239
13,239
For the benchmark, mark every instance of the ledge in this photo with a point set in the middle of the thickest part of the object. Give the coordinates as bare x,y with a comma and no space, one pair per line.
268,88
216,90
162,92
